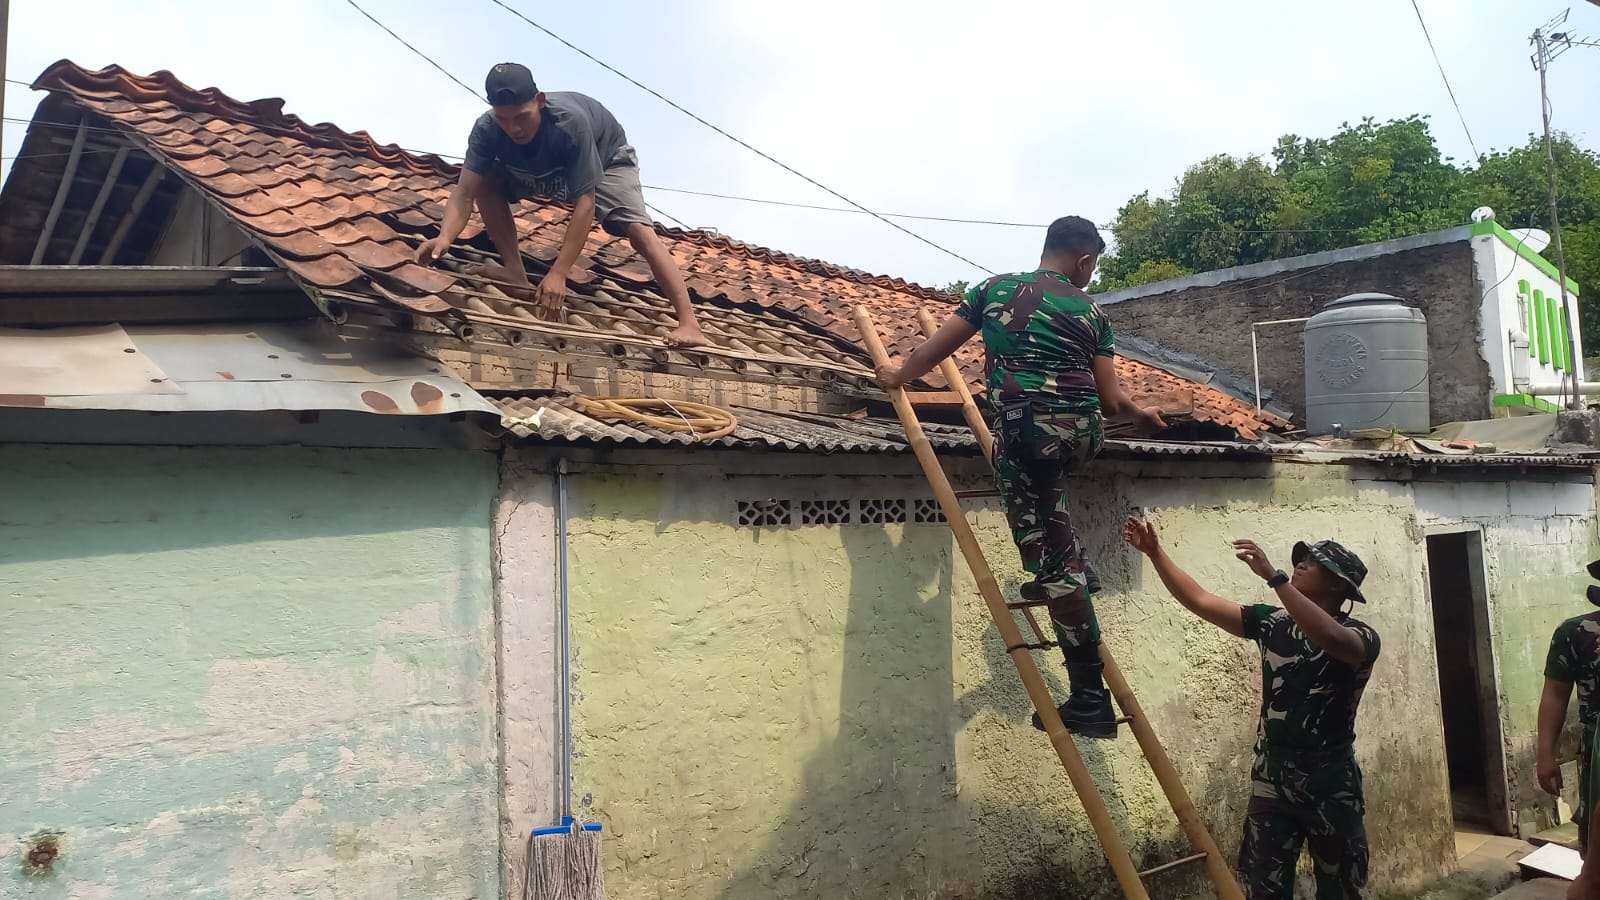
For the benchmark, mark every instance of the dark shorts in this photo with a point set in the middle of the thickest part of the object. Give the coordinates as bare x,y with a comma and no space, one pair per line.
618,198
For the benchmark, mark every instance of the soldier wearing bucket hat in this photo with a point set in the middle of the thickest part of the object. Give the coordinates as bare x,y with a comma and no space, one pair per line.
1573,660
1306,787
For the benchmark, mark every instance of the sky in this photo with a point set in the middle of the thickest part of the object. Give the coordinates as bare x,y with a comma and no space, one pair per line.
1005,110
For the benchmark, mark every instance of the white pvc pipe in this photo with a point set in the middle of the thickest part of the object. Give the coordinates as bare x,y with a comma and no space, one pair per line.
1556,390
1255,357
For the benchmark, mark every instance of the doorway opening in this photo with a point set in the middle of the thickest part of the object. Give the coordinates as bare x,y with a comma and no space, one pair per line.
1468,691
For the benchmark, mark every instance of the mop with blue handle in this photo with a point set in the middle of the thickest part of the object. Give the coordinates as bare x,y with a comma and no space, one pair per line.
564,860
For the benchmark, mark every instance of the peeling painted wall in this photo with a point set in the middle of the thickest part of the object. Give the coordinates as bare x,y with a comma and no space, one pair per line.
1538,536
825,710
247,673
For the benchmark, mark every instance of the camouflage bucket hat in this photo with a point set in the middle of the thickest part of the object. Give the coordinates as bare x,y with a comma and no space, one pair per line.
1336,559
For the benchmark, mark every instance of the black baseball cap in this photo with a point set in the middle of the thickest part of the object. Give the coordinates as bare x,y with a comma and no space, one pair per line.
509,84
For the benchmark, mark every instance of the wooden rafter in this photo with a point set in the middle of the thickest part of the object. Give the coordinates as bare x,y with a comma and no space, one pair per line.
61,192
99,206
157,172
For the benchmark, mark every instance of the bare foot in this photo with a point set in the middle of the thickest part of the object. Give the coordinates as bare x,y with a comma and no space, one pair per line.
685,336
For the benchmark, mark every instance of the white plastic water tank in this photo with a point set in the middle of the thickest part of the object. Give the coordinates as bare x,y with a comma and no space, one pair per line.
1367,366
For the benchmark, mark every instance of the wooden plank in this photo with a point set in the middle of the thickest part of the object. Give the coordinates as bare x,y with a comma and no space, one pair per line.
67,309
61,192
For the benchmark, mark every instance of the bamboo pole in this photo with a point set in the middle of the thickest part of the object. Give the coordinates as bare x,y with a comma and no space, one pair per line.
958,383
980,430
1167,776
1038,692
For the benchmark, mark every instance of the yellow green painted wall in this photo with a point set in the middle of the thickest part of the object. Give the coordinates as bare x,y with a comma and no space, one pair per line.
1538,536
240,673
825,711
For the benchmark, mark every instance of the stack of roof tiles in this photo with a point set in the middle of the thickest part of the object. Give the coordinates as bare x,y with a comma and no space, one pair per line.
344,214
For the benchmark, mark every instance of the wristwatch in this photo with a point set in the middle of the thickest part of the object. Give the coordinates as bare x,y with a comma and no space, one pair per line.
1277,579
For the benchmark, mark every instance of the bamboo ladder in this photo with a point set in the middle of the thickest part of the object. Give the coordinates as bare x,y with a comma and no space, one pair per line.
1128,876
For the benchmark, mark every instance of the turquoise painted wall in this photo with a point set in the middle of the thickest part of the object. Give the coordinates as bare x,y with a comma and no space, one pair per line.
247,673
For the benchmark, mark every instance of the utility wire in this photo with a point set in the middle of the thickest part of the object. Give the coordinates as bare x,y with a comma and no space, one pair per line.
93,129
790,169
468,88
1447,87
413,49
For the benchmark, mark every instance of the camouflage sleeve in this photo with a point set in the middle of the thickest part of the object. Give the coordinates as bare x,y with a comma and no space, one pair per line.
1258,620
971,306
1561,664
1107,345
1370,643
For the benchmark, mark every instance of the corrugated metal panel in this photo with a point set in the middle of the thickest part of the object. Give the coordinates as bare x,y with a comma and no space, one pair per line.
1532,460
212,368
820,433
1181,448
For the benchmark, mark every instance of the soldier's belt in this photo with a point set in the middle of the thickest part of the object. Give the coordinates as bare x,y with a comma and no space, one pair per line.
1302,757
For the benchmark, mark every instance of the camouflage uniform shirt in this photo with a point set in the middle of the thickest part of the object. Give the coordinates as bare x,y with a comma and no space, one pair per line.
1575,659
1308,698
1040,336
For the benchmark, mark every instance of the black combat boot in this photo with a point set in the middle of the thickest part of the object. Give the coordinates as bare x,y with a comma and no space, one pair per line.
1088,710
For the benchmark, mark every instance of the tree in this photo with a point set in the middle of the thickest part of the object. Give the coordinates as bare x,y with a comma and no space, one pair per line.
1367,182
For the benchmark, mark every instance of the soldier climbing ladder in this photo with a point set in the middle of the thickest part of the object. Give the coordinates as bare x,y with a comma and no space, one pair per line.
1128,876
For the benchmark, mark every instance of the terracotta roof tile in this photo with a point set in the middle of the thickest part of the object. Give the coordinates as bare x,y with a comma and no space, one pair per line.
326,271
342,211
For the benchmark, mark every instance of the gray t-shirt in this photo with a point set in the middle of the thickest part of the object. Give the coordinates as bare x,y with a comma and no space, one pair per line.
577,139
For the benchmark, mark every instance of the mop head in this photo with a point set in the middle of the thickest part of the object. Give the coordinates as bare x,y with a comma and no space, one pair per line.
564,863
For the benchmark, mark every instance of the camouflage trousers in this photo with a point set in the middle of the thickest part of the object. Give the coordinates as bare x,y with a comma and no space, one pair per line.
1587,792
1314,803
1032,476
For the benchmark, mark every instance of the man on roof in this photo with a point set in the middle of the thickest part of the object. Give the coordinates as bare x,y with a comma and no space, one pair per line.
1049,369
1305,784
563,146
1573,660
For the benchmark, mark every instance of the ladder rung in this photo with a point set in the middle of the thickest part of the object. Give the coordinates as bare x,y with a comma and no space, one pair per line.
1026,604
1172,865
1046,645
933,398
977,492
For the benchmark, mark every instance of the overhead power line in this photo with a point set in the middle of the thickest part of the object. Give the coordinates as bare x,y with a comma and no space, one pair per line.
1448,89
412,48
788,168
468,88
738,198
